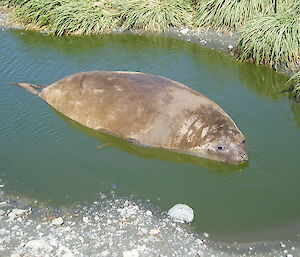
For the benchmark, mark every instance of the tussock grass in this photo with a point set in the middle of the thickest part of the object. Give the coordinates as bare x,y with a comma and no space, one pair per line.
156,15
37,12
230,14
272,40
85,17
69,16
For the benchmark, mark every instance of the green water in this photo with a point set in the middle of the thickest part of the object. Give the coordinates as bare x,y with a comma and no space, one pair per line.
47,157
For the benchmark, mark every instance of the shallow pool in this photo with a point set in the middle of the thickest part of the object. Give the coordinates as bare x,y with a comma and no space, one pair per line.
47,157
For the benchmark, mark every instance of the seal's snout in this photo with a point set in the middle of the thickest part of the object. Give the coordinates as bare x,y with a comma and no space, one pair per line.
243,157
240,155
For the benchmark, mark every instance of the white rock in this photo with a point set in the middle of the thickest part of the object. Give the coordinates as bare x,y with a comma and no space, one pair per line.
68,254
148,213
184,31
104,253
15,255
182,212
2,212
230,47
131,253
154,232
57,222
15,213
39,244
64,252
3,203
85,219
206,235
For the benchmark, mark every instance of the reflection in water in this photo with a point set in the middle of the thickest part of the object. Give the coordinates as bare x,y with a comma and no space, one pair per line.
296,110
267,84
107,140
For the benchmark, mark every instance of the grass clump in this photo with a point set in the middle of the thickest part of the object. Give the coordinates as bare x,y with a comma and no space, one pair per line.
68,16
272,40
36,11
230,14
156,15
85,17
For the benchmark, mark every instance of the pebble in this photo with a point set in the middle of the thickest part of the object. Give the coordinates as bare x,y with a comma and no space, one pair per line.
15,213
131,253
230,47
57,222
38,244
148,213
181,212
104,253
184,31
154,232
85,219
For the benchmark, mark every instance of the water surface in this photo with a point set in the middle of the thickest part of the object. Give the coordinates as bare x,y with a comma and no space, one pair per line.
45,156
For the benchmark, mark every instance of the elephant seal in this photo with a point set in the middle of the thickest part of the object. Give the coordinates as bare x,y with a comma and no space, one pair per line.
147,110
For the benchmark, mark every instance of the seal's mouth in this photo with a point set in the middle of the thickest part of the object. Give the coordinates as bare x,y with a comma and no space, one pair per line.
237,155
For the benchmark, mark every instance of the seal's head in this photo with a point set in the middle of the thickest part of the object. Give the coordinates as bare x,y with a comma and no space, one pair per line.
220,139
226,150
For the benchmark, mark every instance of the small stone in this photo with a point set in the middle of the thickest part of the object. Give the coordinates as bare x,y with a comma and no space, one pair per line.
230,47
96,218
200,253
102,196
144,230
39,244
148,213
68,254
104,253
289,255
131,253
15,213
15,255
57,222
85,219
154,232
282,245
207,235
2,212
184,31
181,212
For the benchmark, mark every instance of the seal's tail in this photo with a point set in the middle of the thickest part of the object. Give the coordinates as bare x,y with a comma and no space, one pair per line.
31,88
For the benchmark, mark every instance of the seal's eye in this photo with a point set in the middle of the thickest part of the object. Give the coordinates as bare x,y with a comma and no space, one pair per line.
220,148
244,141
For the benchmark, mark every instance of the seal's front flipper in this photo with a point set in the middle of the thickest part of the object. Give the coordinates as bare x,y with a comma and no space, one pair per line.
28,87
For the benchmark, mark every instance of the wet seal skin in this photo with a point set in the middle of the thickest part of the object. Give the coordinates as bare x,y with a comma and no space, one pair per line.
147,110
